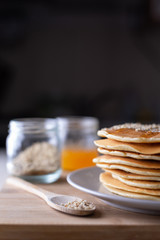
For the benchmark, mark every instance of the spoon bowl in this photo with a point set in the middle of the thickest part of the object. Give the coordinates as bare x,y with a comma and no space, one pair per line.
59,203
64,203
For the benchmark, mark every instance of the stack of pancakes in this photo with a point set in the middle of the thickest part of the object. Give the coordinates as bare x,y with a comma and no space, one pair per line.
130,160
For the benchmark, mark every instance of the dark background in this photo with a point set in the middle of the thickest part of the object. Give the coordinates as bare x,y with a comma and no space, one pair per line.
89,58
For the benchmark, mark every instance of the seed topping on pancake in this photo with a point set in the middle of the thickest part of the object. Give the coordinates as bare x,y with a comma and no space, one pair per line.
138,127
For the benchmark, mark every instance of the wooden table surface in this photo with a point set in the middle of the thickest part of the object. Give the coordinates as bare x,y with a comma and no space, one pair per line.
25,216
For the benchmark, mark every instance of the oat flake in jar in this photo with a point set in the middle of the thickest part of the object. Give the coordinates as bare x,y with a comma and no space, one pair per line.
33,149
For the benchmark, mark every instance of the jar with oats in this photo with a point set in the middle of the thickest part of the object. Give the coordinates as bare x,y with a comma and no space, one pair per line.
33,149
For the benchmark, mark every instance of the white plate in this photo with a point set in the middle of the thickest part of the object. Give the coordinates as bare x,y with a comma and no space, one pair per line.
87,180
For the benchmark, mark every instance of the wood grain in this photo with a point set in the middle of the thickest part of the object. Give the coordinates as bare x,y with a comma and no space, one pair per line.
25,216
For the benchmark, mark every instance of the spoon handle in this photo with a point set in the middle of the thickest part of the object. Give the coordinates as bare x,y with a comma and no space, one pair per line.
29,187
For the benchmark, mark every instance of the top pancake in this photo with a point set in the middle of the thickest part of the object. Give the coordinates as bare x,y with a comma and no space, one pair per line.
133,132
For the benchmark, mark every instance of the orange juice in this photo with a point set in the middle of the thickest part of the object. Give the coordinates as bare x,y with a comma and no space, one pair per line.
77,158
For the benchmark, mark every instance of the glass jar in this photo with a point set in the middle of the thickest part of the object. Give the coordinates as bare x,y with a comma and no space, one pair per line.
77,136
33,149
3,169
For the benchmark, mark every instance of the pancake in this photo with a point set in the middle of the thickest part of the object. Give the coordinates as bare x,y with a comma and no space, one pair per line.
132,132
135,170
107,180
130,160
129,154
128,175
151,164
131,194
144,148
139,183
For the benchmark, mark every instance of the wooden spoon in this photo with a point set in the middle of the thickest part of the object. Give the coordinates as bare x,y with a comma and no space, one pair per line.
56,201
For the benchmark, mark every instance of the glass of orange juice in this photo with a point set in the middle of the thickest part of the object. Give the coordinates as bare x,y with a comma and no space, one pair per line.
77,135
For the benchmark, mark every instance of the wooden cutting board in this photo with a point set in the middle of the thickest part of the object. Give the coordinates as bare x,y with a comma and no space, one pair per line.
25,216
